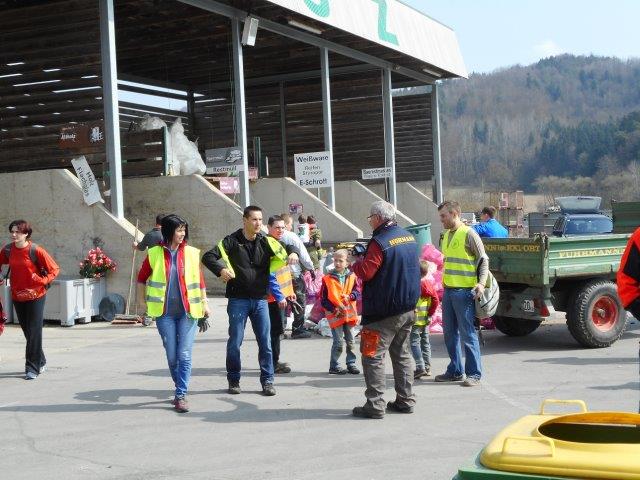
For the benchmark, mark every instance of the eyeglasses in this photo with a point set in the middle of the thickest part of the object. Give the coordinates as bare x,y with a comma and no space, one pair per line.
372,215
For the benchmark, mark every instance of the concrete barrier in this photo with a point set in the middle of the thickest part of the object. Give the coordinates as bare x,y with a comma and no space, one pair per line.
275,194
415,205
210,213
52,201
353,201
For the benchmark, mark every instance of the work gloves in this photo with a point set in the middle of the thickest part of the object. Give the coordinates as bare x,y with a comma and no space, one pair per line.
203,324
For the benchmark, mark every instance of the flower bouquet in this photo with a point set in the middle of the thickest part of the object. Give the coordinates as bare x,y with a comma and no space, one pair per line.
96,264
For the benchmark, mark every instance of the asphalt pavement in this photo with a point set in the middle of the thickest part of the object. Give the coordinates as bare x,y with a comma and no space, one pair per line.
102,409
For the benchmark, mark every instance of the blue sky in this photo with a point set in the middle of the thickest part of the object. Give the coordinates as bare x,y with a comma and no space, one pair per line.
500,33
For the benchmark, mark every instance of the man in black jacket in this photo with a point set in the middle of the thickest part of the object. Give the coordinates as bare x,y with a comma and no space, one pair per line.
242,259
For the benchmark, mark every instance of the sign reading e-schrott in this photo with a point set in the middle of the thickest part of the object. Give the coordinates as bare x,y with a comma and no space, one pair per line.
313,170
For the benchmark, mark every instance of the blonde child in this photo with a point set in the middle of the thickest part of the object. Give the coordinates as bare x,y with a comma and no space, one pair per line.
427,305
339,295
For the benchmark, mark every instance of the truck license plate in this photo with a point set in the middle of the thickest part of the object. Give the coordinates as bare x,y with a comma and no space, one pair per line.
527,306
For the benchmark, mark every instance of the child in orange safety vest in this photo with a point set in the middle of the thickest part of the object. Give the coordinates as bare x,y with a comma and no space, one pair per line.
339,295
426,307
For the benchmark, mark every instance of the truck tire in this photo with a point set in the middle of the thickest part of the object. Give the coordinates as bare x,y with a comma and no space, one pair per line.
515,327
597,318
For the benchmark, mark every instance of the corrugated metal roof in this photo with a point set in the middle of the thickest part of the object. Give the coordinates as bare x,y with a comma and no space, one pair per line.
390,23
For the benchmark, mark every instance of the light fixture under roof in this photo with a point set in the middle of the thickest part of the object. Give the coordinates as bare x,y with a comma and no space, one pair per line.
304,26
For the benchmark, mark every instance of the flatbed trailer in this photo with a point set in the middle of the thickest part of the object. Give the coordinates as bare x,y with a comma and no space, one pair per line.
574,274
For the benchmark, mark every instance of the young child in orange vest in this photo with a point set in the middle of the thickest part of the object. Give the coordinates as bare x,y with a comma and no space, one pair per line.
339,295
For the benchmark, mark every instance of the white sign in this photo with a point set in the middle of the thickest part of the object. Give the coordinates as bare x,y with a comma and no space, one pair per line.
224,160
374,173
88,182
390,23
313,170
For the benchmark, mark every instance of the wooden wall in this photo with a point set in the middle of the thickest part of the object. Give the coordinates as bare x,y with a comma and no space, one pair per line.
57,42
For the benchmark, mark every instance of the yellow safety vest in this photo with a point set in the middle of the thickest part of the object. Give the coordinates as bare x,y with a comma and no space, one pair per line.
157,282
459,266
422,311
278,259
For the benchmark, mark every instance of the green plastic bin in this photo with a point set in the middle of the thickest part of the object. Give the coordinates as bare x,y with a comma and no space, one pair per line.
422,232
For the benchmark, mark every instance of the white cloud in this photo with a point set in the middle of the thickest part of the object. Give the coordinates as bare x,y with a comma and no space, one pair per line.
548,48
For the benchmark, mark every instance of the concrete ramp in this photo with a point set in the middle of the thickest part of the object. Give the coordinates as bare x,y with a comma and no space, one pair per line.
275,194
353,200
52,201
210,213
415,205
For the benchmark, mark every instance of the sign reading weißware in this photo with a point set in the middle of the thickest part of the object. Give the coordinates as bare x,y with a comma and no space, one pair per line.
313,170
374,173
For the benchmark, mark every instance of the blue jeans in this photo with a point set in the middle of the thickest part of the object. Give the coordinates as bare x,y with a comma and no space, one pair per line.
458,317
177,333
421,347
239,309
341,335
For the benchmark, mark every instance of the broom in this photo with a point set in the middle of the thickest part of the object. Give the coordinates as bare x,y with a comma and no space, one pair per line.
126,318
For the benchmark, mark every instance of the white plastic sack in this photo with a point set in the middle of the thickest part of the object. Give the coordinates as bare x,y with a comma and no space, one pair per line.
151,123
323,328
184,153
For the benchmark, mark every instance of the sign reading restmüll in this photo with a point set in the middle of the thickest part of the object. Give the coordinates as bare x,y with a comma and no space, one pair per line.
313,170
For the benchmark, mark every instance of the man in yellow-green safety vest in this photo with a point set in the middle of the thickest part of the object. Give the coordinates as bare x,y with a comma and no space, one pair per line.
243,260
463,278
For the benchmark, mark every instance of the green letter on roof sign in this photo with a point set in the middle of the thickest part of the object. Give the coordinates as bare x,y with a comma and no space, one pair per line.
382,23
319,7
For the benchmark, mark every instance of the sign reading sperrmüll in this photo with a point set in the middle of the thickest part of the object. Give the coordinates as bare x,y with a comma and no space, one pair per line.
375,173
313,170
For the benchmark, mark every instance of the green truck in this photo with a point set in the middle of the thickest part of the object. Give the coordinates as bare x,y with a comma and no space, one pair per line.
573,274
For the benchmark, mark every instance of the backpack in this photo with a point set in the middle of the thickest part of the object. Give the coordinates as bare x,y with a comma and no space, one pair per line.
487,304
32,256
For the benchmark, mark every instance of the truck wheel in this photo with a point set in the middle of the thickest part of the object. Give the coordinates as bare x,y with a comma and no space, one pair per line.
515,327
597,318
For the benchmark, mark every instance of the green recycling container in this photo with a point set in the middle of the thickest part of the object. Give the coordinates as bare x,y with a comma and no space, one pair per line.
422,232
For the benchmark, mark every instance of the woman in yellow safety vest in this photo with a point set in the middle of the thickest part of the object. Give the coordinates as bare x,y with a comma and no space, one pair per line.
172,290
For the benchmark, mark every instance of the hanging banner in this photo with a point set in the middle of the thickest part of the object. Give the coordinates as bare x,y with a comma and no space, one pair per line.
88,183
230,185
224,160
313,170
375,173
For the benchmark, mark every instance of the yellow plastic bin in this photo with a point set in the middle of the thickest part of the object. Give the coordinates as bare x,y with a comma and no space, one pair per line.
422,232
580,445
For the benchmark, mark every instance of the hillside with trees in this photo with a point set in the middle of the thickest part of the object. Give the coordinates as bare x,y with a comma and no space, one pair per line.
568,123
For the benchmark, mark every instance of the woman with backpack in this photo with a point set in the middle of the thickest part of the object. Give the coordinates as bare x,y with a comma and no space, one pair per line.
31,270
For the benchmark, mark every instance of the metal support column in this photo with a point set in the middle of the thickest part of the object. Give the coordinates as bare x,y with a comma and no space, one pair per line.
283,131
110,102
326,116
389,144
438,193
240,113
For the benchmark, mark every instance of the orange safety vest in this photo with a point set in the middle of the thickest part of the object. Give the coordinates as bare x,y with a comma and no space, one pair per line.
285,281
335,291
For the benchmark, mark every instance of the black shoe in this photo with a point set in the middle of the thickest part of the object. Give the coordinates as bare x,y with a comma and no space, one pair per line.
394,407
234,388
302,333
282,368
268,390
445,377
338,371
364,413
353,370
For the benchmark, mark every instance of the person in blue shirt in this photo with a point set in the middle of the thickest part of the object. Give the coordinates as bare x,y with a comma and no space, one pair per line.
489,227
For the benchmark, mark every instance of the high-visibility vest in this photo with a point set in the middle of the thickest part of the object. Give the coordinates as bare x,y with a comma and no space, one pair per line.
278,259
157,282
422,311
335,290
459,266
